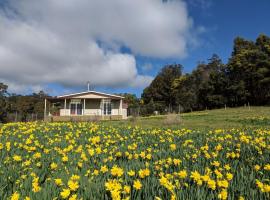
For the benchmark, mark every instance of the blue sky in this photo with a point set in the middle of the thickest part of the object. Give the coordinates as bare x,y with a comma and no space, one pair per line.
41,49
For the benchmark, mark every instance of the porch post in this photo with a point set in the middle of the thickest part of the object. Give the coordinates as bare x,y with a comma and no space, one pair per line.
83,106
65,107
120,109
45,108
101,108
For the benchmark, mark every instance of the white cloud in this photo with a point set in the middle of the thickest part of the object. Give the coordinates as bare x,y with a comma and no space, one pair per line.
54,41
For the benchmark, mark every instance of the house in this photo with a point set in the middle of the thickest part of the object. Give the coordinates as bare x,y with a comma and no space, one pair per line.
85,106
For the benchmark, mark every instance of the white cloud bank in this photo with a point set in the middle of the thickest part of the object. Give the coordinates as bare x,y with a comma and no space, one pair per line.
70,42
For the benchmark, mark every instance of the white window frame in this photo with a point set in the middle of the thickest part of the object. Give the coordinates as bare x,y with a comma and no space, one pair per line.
76,102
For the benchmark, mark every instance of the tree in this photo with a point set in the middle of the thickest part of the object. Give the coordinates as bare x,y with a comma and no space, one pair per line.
28,104
161,88
204,87
249,71
3,102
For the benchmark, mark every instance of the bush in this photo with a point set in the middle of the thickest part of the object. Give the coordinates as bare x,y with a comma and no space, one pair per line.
172,119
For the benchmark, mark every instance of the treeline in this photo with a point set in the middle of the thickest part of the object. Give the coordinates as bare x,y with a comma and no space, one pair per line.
245,79
14,107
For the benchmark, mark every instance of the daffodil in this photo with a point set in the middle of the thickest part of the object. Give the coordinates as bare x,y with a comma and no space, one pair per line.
65,193
137,184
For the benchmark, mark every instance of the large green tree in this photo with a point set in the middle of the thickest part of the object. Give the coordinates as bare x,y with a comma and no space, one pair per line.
249,71
160,90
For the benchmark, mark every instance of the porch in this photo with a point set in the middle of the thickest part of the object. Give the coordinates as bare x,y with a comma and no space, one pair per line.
84,107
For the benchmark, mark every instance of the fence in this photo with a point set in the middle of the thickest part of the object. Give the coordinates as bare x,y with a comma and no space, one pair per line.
24,117
145,110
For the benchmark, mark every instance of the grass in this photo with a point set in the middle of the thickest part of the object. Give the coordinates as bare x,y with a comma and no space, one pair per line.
209,119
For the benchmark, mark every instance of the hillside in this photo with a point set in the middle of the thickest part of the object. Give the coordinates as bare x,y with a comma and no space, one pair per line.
241,117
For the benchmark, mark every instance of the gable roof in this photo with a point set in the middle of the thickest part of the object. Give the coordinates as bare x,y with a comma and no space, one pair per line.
87,93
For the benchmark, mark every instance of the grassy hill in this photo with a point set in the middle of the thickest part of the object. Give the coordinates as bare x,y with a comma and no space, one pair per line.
242,117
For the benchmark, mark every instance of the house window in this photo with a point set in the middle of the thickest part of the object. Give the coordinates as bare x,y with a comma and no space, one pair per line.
75,107
107,107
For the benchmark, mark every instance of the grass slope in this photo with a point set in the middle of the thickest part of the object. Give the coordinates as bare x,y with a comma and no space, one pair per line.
241,117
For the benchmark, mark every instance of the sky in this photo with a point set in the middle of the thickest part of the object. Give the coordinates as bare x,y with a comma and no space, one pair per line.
118,46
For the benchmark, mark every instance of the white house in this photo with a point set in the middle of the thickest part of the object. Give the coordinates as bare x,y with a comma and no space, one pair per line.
85,106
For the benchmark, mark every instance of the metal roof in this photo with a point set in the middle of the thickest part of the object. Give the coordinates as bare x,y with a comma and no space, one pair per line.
89,92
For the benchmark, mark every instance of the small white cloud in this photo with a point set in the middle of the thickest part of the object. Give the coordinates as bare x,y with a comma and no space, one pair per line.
142,81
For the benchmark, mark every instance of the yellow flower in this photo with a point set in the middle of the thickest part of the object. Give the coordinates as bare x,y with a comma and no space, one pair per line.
257,167
96,172
223,183
38,164
17,158
117,171
211,184
195,176
27,163
267,167
35,186
27,198
53,166
173,147
113,185
223,195
104,169
127,189
182,174
266,188
149,156
137,184
176,162
260,185
227,167
80,164
37,155
65,193
144,173
58,181
15,196
8,146
75,177
65,158
73,197
166,183
218,174
215,163
73,185
131,173
229,176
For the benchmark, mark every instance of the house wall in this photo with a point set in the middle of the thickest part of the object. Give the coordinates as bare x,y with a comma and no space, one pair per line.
124,113
92,107
115,107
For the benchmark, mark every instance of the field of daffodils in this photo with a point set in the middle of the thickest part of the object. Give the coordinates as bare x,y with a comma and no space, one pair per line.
91,161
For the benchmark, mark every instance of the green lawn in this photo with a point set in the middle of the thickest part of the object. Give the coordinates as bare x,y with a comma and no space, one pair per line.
241,117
